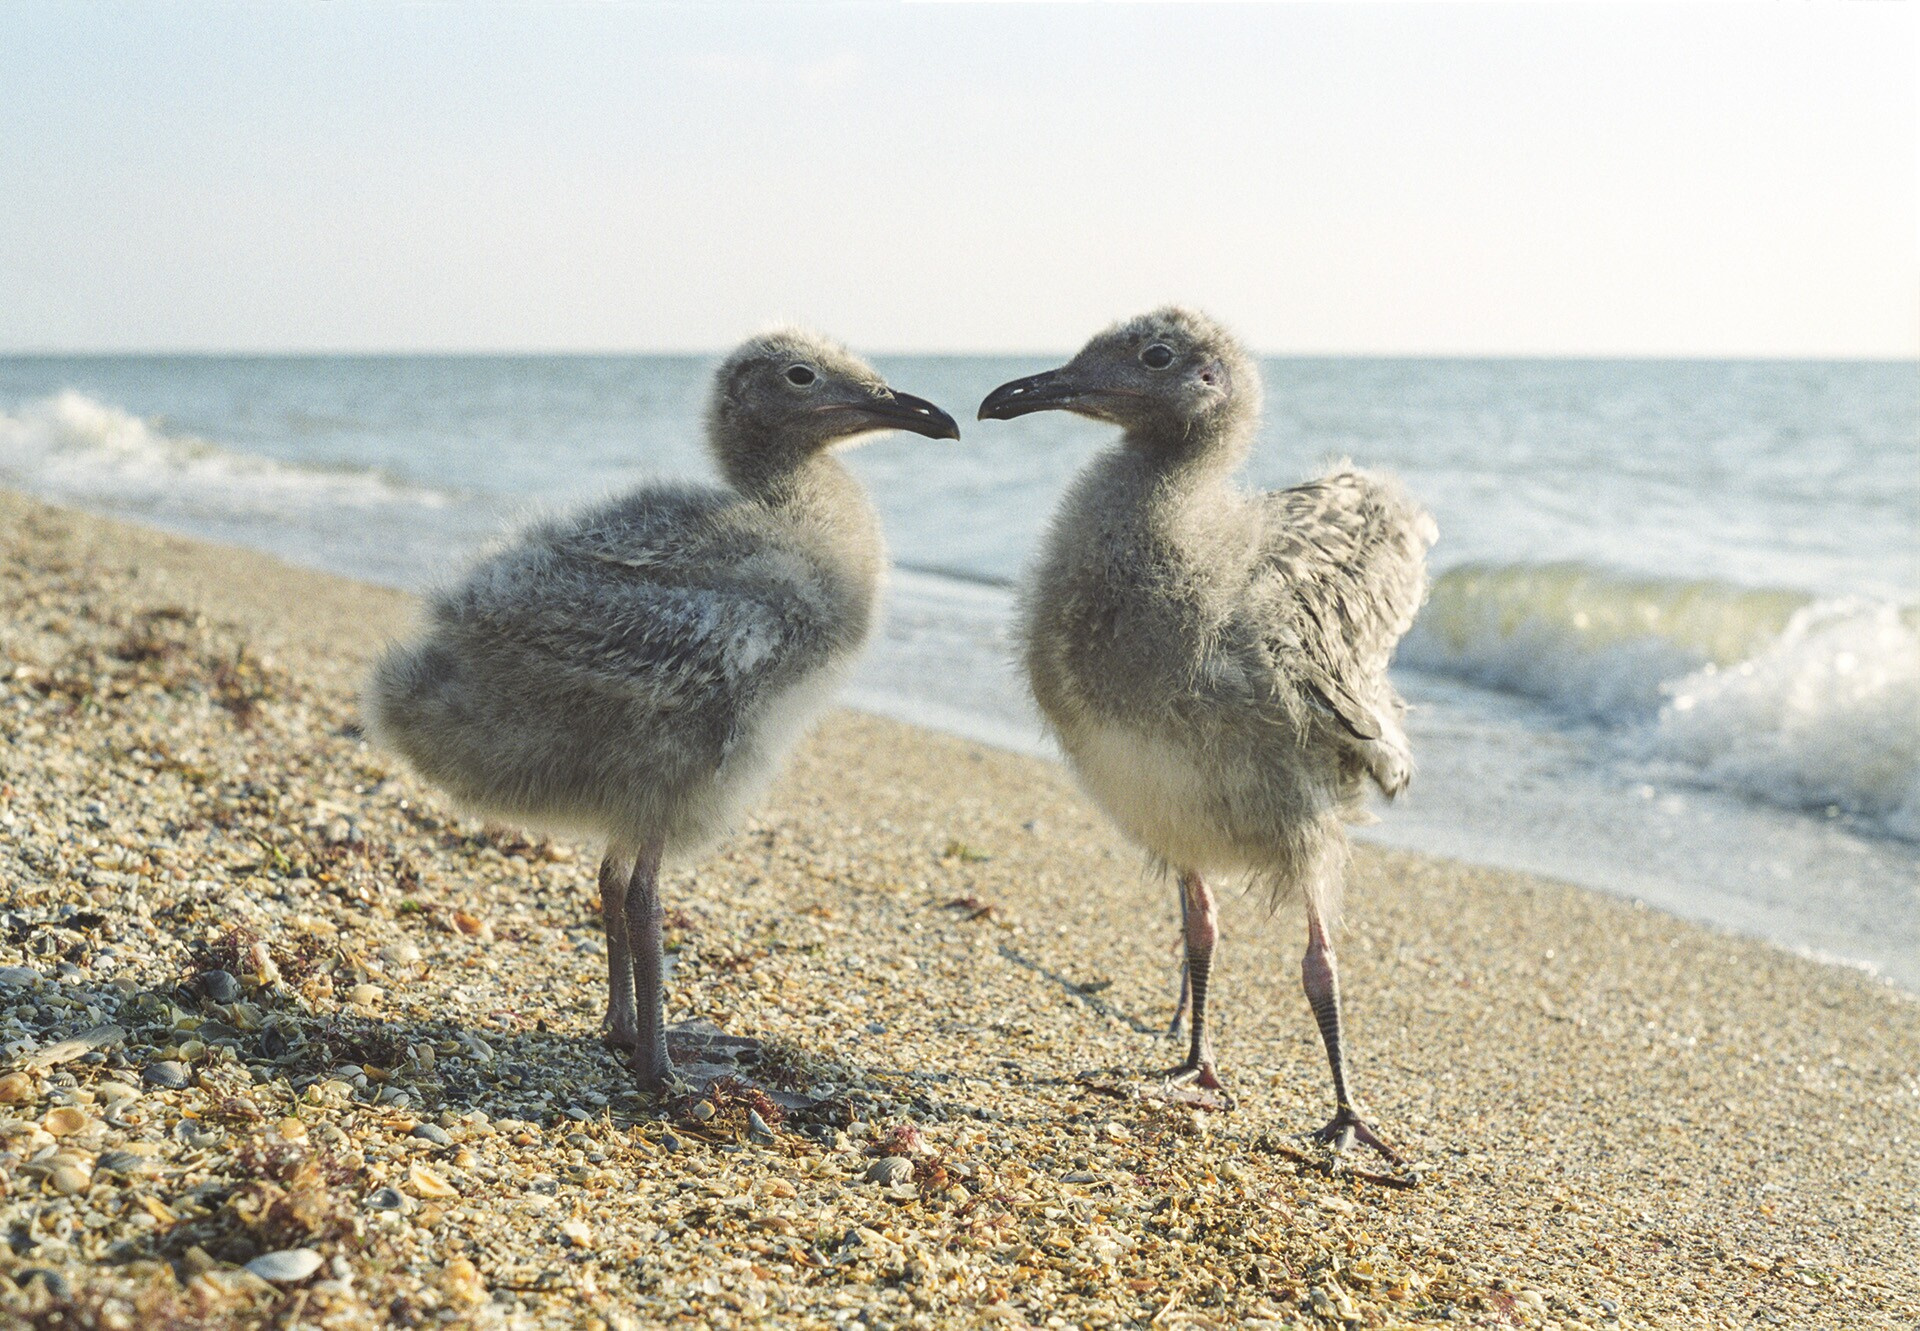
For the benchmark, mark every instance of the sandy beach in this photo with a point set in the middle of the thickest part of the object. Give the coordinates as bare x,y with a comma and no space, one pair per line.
263,993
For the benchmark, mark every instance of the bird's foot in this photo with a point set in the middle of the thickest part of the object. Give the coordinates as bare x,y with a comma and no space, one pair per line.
654,1075
614,1038
1197,1082
1347,1127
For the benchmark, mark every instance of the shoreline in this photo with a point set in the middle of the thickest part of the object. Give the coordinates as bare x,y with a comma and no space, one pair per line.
1624,1119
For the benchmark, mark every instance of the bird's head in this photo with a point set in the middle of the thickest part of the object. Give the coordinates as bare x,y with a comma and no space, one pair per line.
786,395
1172,377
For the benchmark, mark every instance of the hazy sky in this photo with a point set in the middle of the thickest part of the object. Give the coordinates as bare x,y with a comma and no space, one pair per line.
1637,179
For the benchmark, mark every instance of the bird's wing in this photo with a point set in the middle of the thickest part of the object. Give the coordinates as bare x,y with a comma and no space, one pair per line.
1342,573
664,595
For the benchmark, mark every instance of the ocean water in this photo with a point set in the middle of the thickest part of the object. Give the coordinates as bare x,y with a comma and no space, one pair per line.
1672,650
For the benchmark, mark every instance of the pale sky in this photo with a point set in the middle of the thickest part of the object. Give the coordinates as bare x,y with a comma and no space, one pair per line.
1430,179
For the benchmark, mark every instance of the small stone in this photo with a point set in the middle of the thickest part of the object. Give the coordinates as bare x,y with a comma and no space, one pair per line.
432,1133
167,1073
702,1110
757,1128
220,986
669,1142
577,1233
364,995
19,975
402,953
890,1170
70,1179
389,1199
460,1282
115,1092
1080,1176
17,1088
287,1266
65,1121
291,1129
56,1284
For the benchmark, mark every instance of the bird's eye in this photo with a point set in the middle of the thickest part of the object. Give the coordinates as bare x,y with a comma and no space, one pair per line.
800,375
1157,357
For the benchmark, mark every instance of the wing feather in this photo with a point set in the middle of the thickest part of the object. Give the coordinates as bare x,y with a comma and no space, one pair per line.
1344,560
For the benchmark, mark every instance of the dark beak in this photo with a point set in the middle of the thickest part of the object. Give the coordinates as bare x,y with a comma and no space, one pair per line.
904,411
1051,391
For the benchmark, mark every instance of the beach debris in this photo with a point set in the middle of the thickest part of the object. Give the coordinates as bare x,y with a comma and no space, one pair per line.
288,1266
220,986
890,1170
170,1074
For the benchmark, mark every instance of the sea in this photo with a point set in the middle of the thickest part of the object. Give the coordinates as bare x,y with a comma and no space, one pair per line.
1672,649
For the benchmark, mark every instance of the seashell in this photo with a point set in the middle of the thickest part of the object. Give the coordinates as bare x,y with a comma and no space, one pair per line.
286,1266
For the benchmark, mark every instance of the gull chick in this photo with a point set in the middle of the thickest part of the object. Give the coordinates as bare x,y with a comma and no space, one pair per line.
1213,662
637,672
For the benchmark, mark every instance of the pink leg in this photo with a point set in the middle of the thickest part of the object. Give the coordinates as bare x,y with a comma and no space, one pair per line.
1202,928
1320,975
645,918
1179,1021
622,1025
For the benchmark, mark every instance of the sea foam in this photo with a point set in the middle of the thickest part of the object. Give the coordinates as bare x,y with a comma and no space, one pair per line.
1769,693
73,447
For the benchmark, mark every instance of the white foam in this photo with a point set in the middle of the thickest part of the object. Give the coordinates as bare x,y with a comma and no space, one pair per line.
1828,714
1763,692
70,446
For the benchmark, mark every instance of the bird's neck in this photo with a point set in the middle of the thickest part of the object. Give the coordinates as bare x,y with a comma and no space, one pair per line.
1192,456
819,495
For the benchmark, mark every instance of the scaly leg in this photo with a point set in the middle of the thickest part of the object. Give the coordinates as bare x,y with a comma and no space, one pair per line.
1201,924
1179,1021
1320,974
644,919
622,1026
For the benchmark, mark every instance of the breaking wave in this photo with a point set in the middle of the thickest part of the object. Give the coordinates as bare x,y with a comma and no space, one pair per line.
1773,694
70,446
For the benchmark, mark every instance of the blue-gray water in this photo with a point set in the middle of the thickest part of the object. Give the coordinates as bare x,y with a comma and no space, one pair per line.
1673,648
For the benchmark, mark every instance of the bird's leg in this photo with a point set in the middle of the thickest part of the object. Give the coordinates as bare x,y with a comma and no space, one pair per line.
644,919
1320,974
622,1026
1186,988
1201,925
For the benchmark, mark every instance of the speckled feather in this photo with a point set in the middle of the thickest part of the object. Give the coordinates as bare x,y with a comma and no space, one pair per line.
637,670
1214,661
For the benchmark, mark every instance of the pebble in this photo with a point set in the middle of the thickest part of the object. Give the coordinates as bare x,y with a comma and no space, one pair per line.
56,1284
286,1266
168,1073
19,975
403,953
70,1179
757,1128
114,1092
432,1133
890,1170
220,986
389,1199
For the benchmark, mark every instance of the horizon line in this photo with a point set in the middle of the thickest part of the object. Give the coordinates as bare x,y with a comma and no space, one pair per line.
478,353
